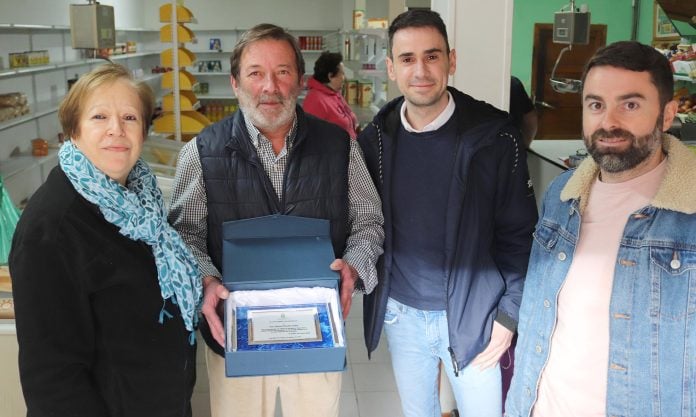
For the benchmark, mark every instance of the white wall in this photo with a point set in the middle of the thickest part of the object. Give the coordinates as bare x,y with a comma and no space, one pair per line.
243,14
211,14
481,33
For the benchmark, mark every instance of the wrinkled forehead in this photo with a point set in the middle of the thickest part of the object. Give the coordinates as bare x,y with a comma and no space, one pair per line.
269,52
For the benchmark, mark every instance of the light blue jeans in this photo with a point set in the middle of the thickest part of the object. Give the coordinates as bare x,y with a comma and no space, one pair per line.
418,340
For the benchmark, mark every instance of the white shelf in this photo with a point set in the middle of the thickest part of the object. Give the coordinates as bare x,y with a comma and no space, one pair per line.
133,55
37,110
14,26
51,67
20,163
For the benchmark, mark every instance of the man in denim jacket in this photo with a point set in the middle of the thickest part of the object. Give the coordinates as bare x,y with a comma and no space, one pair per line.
608,317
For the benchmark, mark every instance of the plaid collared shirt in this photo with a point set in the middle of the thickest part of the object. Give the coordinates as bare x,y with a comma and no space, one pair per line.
189,205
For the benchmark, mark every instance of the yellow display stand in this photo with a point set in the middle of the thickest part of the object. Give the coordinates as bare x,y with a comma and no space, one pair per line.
186,80
183,33
186,57
183,15
187,101
190,121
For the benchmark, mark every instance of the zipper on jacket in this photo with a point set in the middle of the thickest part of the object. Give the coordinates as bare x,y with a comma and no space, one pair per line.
454,361
449,275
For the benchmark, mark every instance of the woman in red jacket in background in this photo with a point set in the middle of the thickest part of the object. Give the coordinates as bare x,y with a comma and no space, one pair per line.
324,99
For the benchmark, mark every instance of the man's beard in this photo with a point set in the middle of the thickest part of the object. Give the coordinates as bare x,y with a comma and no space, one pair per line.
613,160
264,121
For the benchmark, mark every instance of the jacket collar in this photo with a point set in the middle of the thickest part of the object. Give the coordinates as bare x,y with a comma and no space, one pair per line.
677,191
469,113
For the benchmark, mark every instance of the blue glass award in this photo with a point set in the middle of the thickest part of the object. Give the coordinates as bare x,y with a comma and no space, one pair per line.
281,327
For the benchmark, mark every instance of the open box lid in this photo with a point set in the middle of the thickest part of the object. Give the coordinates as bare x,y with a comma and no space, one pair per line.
276,248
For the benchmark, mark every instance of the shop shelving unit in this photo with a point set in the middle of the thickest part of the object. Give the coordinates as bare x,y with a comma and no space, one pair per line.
354,60
44,87
180,117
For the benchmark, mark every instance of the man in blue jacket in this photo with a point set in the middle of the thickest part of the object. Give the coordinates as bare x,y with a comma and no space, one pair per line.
608,318
459,214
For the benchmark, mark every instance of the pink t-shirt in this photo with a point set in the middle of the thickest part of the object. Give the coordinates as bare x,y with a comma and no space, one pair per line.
574,381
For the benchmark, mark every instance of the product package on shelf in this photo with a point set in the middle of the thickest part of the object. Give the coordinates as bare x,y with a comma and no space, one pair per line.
13,105
28,59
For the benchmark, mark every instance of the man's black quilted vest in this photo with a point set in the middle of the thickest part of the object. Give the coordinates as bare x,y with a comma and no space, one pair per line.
237,187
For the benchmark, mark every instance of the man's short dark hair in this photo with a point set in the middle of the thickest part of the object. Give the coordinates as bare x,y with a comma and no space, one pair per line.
327,64
261,32
418,18
635,56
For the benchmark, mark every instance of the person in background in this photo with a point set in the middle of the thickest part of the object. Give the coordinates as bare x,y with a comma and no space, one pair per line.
522,111
608,317
459,214
106,293
268,158
324,99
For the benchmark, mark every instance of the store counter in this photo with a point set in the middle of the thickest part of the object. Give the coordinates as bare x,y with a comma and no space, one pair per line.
545,160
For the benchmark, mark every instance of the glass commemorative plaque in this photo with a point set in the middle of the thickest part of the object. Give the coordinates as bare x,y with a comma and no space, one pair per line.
297,326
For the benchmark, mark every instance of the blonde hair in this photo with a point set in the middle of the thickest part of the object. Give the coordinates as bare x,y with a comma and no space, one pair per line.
71,108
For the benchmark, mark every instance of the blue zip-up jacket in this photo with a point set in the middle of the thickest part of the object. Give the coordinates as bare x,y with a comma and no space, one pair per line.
490,219
652,314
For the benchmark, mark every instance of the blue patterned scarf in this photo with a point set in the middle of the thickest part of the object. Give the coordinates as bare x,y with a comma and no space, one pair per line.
138,211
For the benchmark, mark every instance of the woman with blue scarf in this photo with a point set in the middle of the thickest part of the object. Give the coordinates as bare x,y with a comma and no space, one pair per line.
106,293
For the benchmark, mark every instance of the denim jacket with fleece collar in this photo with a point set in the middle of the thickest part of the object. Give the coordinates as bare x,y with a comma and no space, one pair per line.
652,348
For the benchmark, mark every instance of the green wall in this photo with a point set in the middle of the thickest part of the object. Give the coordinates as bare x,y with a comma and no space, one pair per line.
616,14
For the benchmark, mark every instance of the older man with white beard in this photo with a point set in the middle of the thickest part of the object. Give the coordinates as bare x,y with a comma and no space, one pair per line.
272,158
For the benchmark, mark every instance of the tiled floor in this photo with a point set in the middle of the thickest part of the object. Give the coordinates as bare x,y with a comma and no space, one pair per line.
368,388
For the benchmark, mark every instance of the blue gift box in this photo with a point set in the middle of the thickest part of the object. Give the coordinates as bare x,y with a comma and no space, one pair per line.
274,252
